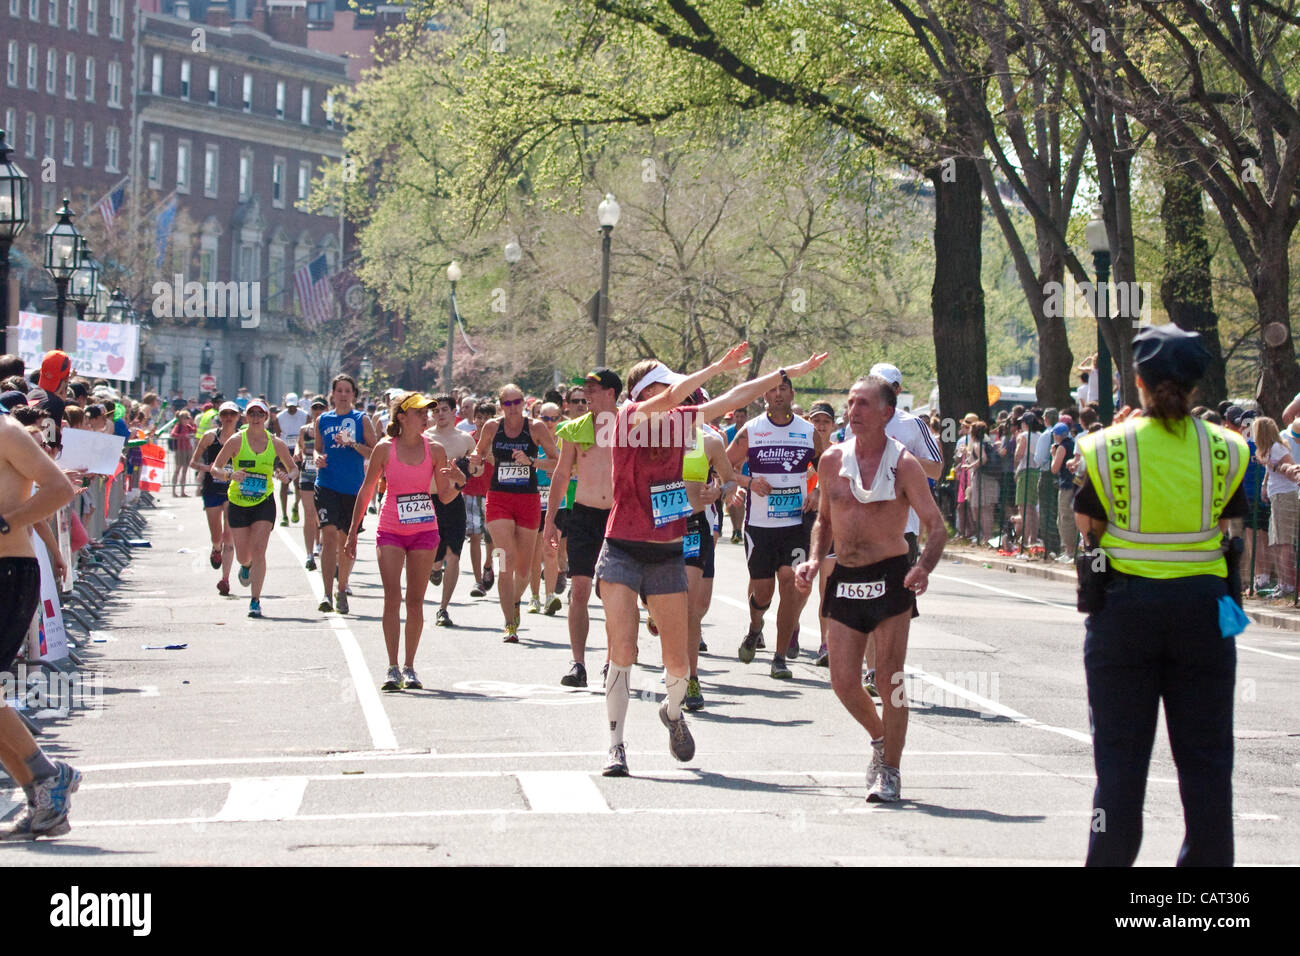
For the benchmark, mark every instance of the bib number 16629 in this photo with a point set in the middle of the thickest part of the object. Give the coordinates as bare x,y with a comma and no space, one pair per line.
860,591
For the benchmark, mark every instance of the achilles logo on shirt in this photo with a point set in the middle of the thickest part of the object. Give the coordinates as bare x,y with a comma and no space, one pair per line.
95,910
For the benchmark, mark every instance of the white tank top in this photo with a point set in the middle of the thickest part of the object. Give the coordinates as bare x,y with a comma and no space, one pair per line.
781,454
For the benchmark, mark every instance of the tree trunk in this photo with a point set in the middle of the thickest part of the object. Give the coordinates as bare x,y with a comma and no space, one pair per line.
1185,288
957,297
1270,284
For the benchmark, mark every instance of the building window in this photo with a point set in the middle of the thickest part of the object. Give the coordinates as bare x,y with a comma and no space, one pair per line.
277,183
210,156
88,145
155,161
92,17
248,92
11,65
212,86
183,166
185,79
34,10
329,110
279,100
245,174
11,117
115,84
111,149
115,19
305,114
304,179
33,65
29,136
69,145
70,75
90,79
155,76
49,136
53,12
51,70
72,15
275,277
15,8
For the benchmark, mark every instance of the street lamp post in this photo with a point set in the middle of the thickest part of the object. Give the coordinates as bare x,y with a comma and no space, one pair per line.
83,287
1099,244
607,213
15,199
62,259
453,276
367,369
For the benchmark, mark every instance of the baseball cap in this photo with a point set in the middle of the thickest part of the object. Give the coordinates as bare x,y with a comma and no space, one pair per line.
1060,428
55,367
12,399
822,408
229,407
605,378
319,402
1233,414
889,373
415,400
291,400
1166,353
256,403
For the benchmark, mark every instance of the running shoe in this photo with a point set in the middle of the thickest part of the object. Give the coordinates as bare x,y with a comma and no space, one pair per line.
780,670
534,605
888,789
703,647
680,742
560,580
577,676
512,634
435,577
411,680
311,562
214,559
651,626
244,577
735,537
284,522
489,576
325,607
393,681
823,657
223,587
792,652
616,766
869,682
442,619
254,608
762,644
47,813
694,699
748,646
478,590
294,514
341,601
348,592
877,762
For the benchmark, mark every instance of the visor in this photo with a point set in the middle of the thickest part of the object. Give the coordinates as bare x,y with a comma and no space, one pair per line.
660,373
415,401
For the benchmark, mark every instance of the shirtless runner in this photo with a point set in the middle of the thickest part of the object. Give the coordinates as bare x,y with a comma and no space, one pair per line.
868,484
451,515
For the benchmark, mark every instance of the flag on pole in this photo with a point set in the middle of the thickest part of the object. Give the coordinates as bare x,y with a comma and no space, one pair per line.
165,219
315,294
153,467
111,203
461,325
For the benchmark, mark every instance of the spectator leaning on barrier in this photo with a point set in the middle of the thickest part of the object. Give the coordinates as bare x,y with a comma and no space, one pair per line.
1283,495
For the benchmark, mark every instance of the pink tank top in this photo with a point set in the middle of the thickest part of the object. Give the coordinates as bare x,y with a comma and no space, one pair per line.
408,506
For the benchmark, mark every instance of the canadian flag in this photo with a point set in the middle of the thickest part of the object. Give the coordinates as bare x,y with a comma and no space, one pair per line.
153,467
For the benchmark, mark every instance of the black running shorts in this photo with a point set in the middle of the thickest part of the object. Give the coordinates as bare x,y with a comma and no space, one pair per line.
699,539
860,598
335,508
20,593
770,549
586,536
451,525
237,516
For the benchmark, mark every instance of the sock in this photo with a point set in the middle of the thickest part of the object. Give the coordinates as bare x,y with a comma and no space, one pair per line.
40,766
616,697
676,687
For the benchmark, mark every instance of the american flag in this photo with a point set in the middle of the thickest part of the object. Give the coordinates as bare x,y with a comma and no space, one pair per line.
110,204
315,294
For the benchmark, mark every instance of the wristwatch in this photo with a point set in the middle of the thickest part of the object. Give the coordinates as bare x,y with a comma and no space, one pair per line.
4,525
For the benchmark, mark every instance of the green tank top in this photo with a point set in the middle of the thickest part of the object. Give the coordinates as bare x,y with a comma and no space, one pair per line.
695,463
256,486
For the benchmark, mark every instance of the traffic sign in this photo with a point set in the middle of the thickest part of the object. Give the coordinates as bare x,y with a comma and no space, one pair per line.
207,383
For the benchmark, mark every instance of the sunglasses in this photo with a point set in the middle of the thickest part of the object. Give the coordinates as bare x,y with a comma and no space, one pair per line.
550,418
512,402
576,401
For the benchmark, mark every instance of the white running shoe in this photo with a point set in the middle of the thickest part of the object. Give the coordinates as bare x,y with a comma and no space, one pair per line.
887,789
877,762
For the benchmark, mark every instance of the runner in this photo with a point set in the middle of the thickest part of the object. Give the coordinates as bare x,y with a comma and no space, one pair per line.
291,421
590,462
305,456
868,484
778,446
736,507
250,508
414,468
48,785
513,504
451,515
822,417
643,550
214,492
475,493
542,565
344,440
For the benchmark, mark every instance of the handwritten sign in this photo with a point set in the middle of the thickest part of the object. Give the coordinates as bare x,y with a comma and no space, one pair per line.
104,349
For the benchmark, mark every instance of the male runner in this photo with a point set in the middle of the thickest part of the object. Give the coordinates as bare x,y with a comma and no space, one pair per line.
736,510
451,515
475,495
778,447
47,785
591,504
345,438
291,421
867,484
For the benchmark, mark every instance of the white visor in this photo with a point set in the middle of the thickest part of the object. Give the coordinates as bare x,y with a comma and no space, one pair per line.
660,373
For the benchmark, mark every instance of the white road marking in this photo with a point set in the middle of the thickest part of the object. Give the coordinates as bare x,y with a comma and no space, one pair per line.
1260,650
561,791
268,798
381,730
1014,594
993,707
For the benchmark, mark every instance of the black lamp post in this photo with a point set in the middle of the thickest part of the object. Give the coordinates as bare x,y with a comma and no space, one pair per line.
62,259
1099,244
607,213
453,276
118,307
206,355
83,287
15,200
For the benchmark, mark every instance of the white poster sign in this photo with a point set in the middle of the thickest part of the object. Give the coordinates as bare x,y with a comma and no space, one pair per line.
95,452
104,349
51,638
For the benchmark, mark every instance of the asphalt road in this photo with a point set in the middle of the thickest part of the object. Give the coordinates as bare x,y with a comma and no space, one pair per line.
268,742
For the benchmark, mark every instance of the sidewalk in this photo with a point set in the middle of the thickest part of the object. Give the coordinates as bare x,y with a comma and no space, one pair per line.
1257,609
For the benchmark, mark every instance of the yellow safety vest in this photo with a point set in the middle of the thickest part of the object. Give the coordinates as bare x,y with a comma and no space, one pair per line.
1163,493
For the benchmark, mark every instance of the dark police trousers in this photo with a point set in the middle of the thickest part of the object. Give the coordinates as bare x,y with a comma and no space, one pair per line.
1153,641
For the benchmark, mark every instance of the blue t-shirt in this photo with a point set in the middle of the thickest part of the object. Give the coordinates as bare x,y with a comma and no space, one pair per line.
1065,479
345,469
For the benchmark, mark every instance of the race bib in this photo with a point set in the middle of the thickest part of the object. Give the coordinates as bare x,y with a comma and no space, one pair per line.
545,492
309,471
668,502
253,486
513,474
785,503
415,509
691,545
864,591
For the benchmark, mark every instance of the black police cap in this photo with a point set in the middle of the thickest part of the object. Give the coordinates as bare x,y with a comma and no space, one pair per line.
1166,353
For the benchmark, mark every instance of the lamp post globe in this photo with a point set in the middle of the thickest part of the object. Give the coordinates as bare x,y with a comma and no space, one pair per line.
513,251
607,214
62,259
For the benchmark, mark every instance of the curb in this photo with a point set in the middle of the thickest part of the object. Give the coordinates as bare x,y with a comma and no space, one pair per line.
1284,620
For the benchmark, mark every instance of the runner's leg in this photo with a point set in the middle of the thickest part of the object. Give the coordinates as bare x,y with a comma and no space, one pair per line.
503,537
258,536
847,647
891,649
391,560
670,614
579,618
418,565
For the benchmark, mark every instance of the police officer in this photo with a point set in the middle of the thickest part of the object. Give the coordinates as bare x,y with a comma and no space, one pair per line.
1160,489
